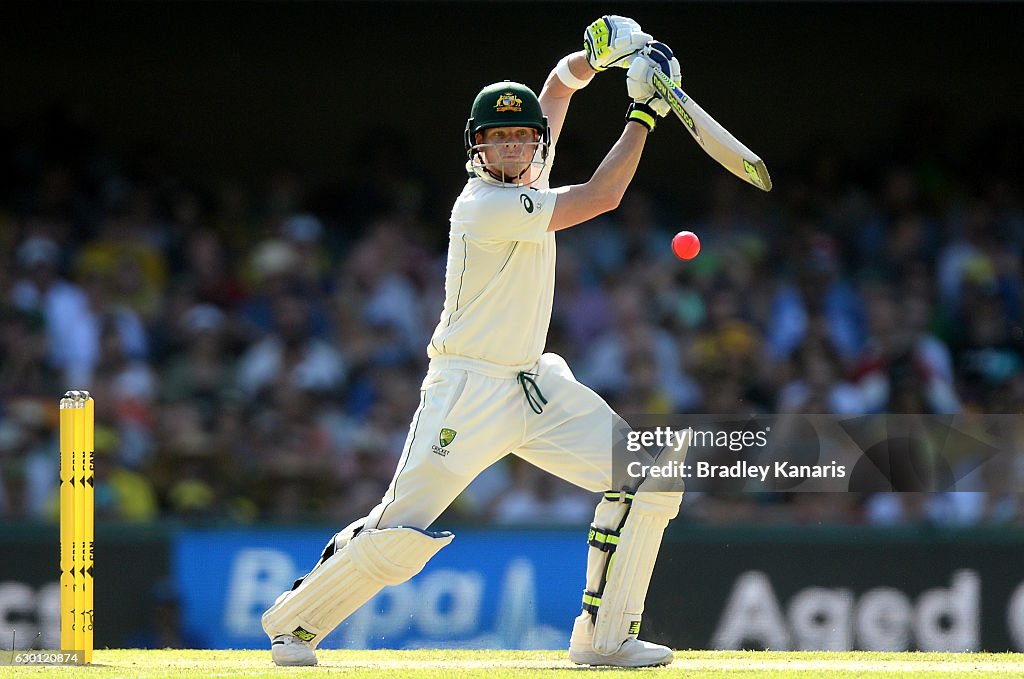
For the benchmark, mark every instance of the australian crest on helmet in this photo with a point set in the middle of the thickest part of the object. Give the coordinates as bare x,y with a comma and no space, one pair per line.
508,102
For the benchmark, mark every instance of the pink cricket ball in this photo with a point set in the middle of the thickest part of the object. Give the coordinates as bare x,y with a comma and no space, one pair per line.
685,245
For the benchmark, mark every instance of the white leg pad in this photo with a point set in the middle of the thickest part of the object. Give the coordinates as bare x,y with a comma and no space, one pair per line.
349,578
630,568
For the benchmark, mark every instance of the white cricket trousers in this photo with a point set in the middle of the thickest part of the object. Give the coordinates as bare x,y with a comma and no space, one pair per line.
473,413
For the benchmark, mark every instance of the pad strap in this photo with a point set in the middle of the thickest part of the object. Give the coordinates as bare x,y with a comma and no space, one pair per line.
603,539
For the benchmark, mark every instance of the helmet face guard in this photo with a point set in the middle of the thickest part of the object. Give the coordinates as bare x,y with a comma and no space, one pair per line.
506,104
495,172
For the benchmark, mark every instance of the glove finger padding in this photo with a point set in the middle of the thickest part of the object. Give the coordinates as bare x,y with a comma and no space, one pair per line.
612,40
663,56
640,88
639,77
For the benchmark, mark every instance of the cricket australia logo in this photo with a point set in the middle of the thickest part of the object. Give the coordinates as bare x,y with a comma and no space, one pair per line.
445,439
508,102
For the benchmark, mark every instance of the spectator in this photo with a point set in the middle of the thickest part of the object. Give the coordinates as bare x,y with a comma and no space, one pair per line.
820,290
902,357
62,305
605,365
291,355
274,269
201,372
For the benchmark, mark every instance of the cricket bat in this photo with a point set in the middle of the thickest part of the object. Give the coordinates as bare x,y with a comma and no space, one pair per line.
716,141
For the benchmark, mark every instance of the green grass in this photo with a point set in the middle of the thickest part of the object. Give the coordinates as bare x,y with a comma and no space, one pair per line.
110,664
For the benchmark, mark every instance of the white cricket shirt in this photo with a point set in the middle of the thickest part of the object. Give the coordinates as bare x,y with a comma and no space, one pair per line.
500,279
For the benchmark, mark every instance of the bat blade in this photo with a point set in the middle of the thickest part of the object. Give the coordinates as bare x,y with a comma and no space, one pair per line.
716,141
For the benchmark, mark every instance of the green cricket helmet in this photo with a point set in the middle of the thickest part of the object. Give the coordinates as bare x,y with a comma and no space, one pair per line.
505,104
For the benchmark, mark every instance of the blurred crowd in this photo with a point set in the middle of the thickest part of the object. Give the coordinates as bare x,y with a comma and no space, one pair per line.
255,349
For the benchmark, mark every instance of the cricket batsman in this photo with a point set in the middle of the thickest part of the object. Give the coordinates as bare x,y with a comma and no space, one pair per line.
490,390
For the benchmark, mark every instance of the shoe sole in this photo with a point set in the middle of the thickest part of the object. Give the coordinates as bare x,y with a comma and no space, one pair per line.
612,661
294,664
306,660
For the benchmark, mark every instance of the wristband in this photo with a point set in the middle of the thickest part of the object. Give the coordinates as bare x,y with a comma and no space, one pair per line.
639,112
567,77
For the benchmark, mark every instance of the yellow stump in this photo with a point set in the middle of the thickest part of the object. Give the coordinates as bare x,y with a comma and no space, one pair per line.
76,522
67,527
90,523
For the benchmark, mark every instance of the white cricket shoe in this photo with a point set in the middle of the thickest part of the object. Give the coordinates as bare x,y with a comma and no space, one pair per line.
632,652
287,650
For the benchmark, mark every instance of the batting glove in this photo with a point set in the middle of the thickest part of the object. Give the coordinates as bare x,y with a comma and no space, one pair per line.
612,40
639,77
